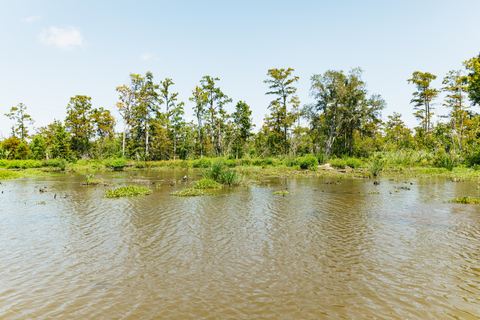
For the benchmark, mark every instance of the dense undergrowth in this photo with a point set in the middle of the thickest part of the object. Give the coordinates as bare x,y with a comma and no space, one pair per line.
227,171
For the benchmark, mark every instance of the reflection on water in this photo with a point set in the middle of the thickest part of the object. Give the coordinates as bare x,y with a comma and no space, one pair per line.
325,251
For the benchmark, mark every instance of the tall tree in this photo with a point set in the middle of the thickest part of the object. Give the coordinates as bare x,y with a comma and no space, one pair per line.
473,77
103,126
455,85
325,114
21,118
177,123
200,98
147,103
215,100
423,97
128,96
78,124
242,125
280,84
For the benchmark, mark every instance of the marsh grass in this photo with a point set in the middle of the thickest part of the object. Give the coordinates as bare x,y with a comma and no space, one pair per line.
129,191
282,192
191,192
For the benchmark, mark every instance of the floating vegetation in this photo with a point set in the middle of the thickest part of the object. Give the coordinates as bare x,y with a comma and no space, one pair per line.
466,200
191,192
129,191
374,192
41,202
207,184
282,192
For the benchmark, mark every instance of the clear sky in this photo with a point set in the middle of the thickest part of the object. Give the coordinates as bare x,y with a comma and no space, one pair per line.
54,50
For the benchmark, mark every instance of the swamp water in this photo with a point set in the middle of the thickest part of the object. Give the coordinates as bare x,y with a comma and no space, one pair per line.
324,251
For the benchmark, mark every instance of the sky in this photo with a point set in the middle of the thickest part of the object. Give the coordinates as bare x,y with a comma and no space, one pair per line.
54,50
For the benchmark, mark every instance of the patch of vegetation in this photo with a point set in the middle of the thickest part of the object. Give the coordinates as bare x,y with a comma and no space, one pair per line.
376,165
207,184
116,163
191,192
90,180
282,192
202,163
128,191
374,192
338,163
354,162
307,162
219,173
466,200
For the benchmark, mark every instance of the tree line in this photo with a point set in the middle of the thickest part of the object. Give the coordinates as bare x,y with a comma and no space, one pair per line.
343,119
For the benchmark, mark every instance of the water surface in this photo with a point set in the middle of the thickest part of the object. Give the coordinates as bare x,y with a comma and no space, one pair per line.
325,251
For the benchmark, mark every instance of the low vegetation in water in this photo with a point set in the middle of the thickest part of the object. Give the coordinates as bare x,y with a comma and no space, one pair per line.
220,173
129,191
466,200
206,184
116,163
90,180
283,192
191,192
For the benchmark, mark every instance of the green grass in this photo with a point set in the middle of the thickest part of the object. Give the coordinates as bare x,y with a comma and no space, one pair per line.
130,191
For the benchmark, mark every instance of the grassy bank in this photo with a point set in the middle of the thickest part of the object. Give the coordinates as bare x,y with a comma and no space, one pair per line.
399,164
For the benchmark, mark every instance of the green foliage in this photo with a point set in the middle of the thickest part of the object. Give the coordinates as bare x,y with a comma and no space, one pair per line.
230,163
6,174
129,191
466,200
191,192
283,192
90,179
202,163
207,184
321,158
116,163
219,173
354,162
338,163
376,165
307,162
445,160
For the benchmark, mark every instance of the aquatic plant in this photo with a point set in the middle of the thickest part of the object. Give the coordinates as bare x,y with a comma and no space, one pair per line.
282,192
90,180
466,200
219,173
191,192
374,192
128,191
376,165
207,184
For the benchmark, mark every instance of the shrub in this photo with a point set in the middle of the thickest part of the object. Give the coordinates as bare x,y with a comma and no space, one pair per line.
116,163
338,163
3,163
376,165
353,162
140,165
201,163
230,163
307,161
322,158
290,162
219,173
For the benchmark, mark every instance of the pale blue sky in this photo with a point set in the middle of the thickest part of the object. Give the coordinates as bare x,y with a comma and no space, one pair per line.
54,50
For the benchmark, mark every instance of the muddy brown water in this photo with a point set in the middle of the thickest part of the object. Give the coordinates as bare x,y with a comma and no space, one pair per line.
325,251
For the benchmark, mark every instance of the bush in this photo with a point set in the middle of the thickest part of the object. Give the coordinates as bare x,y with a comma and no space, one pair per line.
353,162
290,162
230,163
322,158
338,163
307,161
3,163
140,165
202,163
219,173
116,163
376,165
